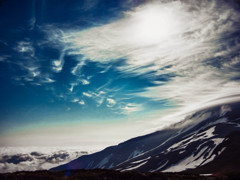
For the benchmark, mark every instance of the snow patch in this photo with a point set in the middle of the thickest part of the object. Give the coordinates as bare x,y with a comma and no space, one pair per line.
134,153
198,159
135,162
135,167
104,161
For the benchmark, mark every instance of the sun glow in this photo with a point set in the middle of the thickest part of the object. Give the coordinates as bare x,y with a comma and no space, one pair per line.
153,24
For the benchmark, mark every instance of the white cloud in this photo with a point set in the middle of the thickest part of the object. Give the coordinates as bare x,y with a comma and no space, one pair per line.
77,69
110,102
98,96
75,100
81,102
48,80
58,64
87,94
84,82
131,108
72,85
25,47
71,88
177,34
33,71
14,159
106,69
101,92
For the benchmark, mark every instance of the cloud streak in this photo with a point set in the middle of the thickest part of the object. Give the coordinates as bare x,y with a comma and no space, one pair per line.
187,39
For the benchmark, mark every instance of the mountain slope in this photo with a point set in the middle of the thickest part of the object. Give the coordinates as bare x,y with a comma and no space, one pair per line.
227,161
190,144
111,156
193,146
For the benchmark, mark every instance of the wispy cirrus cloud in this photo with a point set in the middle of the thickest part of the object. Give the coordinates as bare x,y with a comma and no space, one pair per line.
84,81
25,47
28,65
3,42
188,39
131,108
58,64
156,56
4,58
110,102
87,94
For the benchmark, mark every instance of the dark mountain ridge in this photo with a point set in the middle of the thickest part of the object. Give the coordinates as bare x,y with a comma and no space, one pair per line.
194,143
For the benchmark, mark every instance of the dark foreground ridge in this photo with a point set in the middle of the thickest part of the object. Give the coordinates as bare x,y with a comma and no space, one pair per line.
100,174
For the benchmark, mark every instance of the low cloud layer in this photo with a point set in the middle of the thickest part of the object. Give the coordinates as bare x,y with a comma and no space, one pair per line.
35,160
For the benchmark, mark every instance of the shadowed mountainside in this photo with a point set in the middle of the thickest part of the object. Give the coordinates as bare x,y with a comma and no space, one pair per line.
227,161
192,143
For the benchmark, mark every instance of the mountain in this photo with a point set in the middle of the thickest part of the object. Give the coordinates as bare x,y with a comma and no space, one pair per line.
114,155
227,161
199,142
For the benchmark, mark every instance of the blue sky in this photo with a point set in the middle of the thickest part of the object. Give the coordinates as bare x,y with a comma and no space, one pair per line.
111,64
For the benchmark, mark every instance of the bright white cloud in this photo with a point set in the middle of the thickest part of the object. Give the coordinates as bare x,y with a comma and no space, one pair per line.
180,35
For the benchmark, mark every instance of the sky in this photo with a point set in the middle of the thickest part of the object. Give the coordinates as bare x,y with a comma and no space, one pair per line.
101,71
